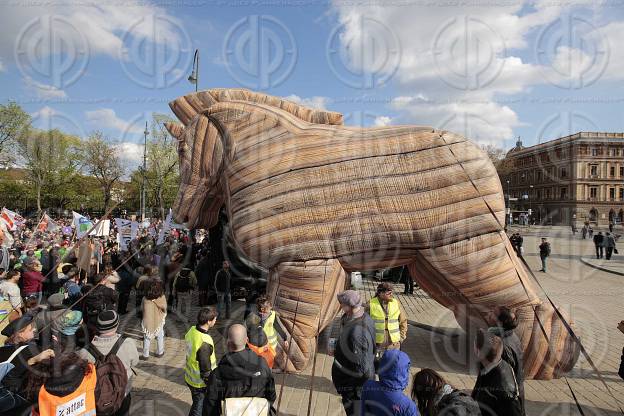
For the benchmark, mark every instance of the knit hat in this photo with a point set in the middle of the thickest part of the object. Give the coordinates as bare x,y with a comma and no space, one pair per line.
70,322
350,297
106,321
56,300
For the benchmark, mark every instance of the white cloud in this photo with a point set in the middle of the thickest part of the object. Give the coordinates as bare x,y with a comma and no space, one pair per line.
103,26
44,112
106,118
131,153
382,121
457,62
43,91
320,103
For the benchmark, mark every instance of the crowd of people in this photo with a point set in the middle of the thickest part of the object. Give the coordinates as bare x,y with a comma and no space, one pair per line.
63,348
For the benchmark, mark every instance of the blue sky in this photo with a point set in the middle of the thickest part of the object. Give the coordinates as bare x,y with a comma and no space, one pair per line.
537,70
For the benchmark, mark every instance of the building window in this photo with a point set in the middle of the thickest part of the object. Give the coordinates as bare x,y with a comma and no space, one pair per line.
593,192
621,194
564,173
612,171
594,152
612,194
563,193
593,170
621,171
539,194
547,194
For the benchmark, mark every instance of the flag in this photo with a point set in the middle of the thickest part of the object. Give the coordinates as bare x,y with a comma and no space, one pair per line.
166,229
102,229
47,224
6,239
82,224
11,219
52,226
127,231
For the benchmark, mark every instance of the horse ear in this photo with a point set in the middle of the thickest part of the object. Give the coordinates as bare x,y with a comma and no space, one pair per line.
176,130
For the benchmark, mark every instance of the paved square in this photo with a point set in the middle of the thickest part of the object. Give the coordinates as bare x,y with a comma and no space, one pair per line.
592,297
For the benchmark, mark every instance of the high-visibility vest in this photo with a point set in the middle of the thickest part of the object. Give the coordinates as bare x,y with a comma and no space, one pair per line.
269,330
79,403
381,320
194,340
267,352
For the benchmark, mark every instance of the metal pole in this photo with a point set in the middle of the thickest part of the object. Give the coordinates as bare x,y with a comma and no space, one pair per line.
143,199
197,76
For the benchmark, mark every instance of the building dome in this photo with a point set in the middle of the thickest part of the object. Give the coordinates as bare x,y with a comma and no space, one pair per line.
517,147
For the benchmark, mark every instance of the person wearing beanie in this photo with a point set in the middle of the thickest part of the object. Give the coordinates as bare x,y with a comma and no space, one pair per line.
354,354
106,326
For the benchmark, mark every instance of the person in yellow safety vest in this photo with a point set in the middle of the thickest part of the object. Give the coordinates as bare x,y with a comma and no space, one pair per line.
201,359
69,388
266,317
389,319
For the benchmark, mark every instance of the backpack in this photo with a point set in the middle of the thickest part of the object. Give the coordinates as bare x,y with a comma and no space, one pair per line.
183,282
112,379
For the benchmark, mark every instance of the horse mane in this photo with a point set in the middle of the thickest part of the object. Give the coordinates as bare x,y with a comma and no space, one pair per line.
188,106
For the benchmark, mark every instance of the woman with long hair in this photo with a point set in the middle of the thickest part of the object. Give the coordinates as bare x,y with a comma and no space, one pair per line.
154,314
435,397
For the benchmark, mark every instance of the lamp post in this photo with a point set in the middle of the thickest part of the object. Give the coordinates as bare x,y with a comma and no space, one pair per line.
194,77
508,216
143,200
530,202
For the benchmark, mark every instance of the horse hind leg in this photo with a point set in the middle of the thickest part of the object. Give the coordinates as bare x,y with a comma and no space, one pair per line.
472,276
304,295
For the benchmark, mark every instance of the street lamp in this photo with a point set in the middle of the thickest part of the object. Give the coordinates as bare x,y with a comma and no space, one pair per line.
194,77
143,200
530,201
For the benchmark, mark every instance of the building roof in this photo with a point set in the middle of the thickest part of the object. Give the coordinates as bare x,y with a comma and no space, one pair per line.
589,137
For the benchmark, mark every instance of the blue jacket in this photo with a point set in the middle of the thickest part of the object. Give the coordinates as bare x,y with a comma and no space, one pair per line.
385,397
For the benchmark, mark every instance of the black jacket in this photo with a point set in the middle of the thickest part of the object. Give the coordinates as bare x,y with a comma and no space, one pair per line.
355,352
223,281
496,392
598,239
621,371
239,374
203,357
513,355
457,403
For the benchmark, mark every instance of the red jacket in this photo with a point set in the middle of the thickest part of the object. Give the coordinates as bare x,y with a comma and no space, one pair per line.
32,281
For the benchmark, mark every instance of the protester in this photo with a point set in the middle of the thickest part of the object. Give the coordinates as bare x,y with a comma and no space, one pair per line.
10,290
502,323
354,353
201,358
408,282
240,373
109,340
267,318
496,389
99,298
516,242
32,279
222,288
154,314
70,383
544,249
435,397
389,319
386,397
609,246
20,350
111,277
621,369
184,283
599,243
47,320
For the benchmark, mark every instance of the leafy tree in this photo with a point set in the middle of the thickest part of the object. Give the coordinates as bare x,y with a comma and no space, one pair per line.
13,123
102,161
162,162
51,160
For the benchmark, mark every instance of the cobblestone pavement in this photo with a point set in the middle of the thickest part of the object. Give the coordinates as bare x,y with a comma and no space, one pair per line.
592,297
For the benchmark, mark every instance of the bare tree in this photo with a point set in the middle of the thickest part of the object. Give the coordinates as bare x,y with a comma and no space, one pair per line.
102,161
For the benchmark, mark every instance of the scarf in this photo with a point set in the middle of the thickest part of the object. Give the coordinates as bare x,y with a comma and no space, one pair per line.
154,313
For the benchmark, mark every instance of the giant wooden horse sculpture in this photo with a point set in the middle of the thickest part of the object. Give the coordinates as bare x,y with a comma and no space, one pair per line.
311,200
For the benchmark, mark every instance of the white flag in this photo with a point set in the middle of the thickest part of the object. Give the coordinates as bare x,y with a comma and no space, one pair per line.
11,219
127,231
165,230
82,224
6,239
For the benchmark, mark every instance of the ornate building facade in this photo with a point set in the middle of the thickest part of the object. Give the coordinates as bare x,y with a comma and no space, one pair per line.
573,179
